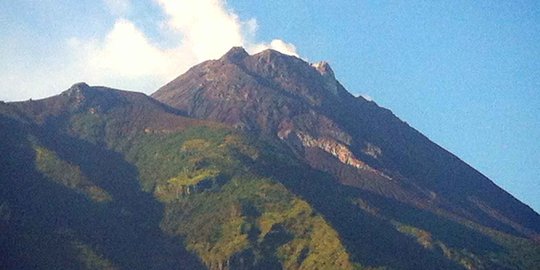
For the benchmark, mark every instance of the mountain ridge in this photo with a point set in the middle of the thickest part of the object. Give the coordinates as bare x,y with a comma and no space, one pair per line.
257,161
320,101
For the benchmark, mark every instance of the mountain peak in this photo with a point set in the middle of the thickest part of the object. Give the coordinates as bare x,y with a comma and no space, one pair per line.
78,90
323,68
235,54
314,163
328,74
271,55
270,52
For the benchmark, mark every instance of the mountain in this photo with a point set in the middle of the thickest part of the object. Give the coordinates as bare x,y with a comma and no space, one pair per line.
356,141
245,162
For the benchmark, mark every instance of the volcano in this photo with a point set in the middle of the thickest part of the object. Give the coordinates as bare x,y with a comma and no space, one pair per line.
260,161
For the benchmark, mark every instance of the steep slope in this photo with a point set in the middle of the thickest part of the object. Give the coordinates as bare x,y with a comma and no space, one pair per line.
250,162
391,171
72,203
97,178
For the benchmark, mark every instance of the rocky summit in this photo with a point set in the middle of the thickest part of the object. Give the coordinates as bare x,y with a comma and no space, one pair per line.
257,161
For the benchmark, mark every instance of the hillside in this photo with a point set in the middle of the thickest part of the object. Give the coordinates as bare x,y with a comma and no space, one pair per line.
306,108
360,145
245,162
100,178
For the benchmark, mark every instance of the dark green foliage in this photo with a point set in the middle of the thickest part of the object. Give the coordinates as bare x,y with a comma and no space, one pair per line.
51,222
48,163
229,217
161,157
238,219
258,217
103,179
89,126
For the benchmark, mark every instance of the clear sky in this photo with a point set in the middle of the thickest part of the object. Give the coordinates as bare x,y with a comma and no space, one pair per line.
464,73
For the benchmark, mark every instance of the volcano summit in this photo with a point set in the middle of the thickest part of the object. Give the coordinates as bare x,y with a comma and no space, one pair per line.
257,161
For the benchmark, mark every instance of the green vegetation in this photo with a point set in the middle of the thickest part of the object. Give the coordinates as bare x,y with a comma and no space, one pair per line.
89,126
184,184
521,253
89,258
69,175
462,256
229,216
515,252
160,158
259,219
423,237
211,196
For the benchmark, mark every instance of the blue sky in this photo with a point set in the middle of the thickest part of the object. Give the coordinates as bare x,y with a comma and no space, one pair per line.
464,73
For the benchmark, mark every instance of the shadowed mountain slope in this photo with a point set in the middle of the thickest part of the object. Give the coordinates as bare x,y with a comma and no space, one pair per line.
97,178
305,106
359,144
245,162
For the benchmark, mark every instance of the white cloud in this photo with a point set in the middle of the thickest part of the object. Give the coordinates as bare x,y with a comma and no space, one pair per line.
35,82
127,52
128,58
276,44
207,28
204,29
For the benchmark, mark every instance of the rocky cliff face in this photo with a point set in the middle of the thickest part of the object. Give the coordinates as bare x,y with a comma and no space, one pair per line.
245,162
303,106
